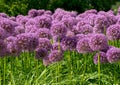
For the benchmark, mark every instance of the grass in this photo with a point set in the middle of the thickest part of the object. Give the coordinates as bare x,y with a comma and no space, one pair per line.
74,69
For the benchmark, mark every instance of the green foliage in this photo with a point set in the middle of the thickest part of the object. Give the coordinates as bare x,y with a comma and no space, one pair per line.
15,7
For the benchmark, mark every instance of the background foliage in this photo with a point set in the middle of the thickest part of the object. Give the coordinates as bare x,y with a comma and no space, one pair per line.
15,7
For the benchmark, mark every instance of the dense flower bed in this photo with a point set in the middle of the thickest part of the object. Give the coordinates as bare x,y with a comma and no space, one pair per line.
49,34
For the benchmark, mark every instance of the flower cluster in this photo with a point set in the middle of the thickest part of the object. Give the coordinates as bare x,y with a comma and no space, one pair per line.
49,34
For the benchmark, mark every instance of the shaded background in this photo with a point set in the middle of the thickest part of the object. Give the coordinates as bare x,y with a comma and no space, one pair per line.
15,7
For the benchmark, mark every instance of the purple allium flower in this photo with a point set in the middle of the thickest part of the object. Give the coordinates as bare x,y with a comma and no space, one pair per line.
48,12
44,33
19,29
98,42
69,22
101,23
41,12
57,46
113,54
12,18
22,20
13,49
45,43
10,39
85,29
7,25
55,56
33,13
4,15
69,43
102,56
83,46
30,22
27,41
93,11
58,29
31,29
40,53
113,32
43,21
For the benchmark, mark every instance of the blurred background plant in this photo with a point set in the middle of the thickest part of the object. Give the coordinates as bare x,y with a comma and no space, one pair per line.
15,7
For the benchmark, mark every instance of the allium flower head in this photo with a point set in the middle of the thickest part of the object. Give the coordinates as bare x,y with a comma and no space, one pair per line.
102,56
83,46
55,56
69,43
113,54
27,41
13,49
41,12
98,42
40,53
7,25
44,33
19,29
85,29
33,13
4,15
43,21
58,29
44,43
113,32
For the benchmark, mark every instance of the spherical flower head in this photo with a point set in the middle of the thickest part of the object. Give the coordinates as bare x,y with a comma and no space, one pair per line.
4,15
83,46
92,11
85,29
30,22
44,33
43,21
69,22
7,25
27,41
23,20
102,56
40,53
57,46
113,32
101,20
12,18
69,43
98,42
55,56
58,29
113,54
19,29
13,49
48,12
41,12
10,39
45,43
32,13
31,29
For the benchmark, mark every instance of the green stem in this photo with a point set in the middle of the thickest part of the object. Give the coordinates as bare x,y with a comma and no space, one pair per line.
99,68
4,71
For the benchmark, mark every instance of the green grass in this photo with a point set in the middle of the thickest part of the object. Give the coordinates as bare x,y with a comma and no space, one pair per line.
74,69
